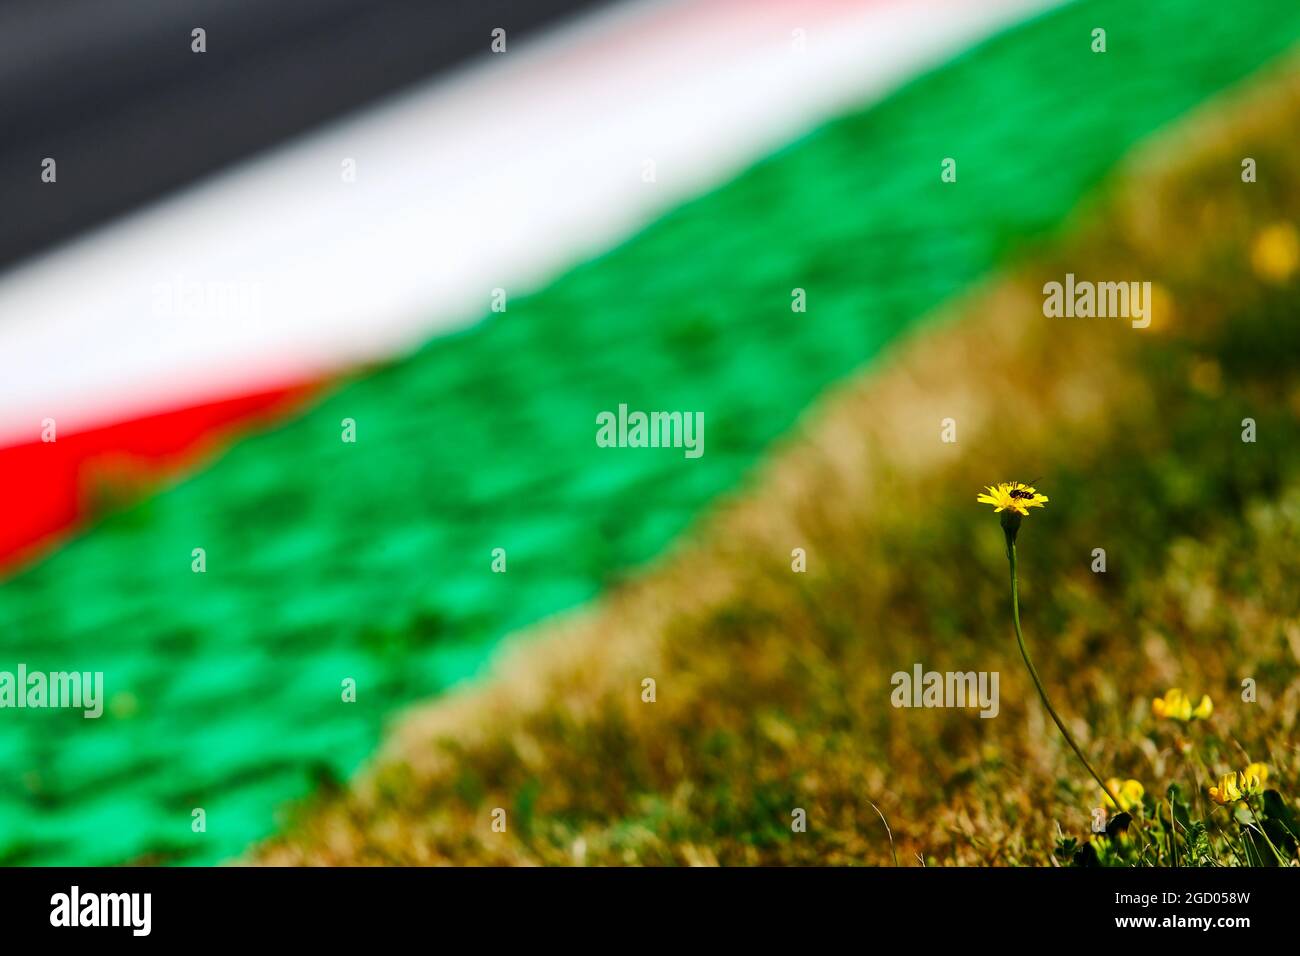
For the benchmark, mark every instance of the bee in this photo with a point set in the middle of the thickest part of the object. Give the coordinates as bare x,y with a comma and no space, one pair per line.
1021,492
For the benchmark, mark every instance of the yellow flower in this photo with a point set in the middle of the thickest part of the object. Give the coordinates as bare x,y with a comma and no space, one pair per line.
1275,253
1226,792
1173,705
1238,786
1251,780
1012,496
1129,793
1166,706
1178,706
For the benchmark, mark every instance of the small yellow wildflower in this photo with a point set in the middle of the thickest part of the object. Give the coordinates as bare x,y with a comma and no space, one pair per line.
1275,253
1178,706
1252,779
1129,793
1238,786
1171,705
1226,792
1012,496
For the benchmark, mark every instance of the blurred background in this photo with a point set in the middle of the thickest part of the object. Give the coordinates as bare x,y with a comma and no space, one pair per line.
328,185
306,321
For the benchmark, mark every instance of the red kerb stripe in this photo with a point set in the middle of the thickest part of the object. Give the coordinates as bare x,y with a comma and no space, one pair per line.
50,488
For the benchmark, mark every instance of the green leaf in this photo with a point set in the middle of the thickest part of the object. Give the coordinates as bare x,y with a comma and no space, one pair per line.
1280,823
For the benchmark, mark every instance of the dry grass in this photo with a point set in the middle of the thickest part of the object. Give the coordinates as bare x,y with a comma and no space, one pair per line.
773,687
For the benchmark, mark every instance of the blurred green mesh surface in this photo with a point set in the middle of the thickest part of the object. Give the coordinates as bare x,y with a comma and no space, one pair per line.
328,560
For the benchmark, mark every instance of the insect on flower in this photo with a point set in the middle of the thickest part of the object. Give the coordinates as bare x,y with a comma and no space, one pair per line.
1025,490
1012,496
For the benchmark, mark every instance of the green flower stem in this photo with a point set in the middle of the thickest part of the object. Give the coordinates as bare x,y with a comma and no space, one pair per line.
1173,831
1243,858
1259,825
1033,672
1204,774
1192,776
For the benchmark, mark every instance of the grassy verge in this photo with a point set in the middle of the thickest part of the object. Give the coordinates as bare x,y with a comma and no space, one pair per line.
773,687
